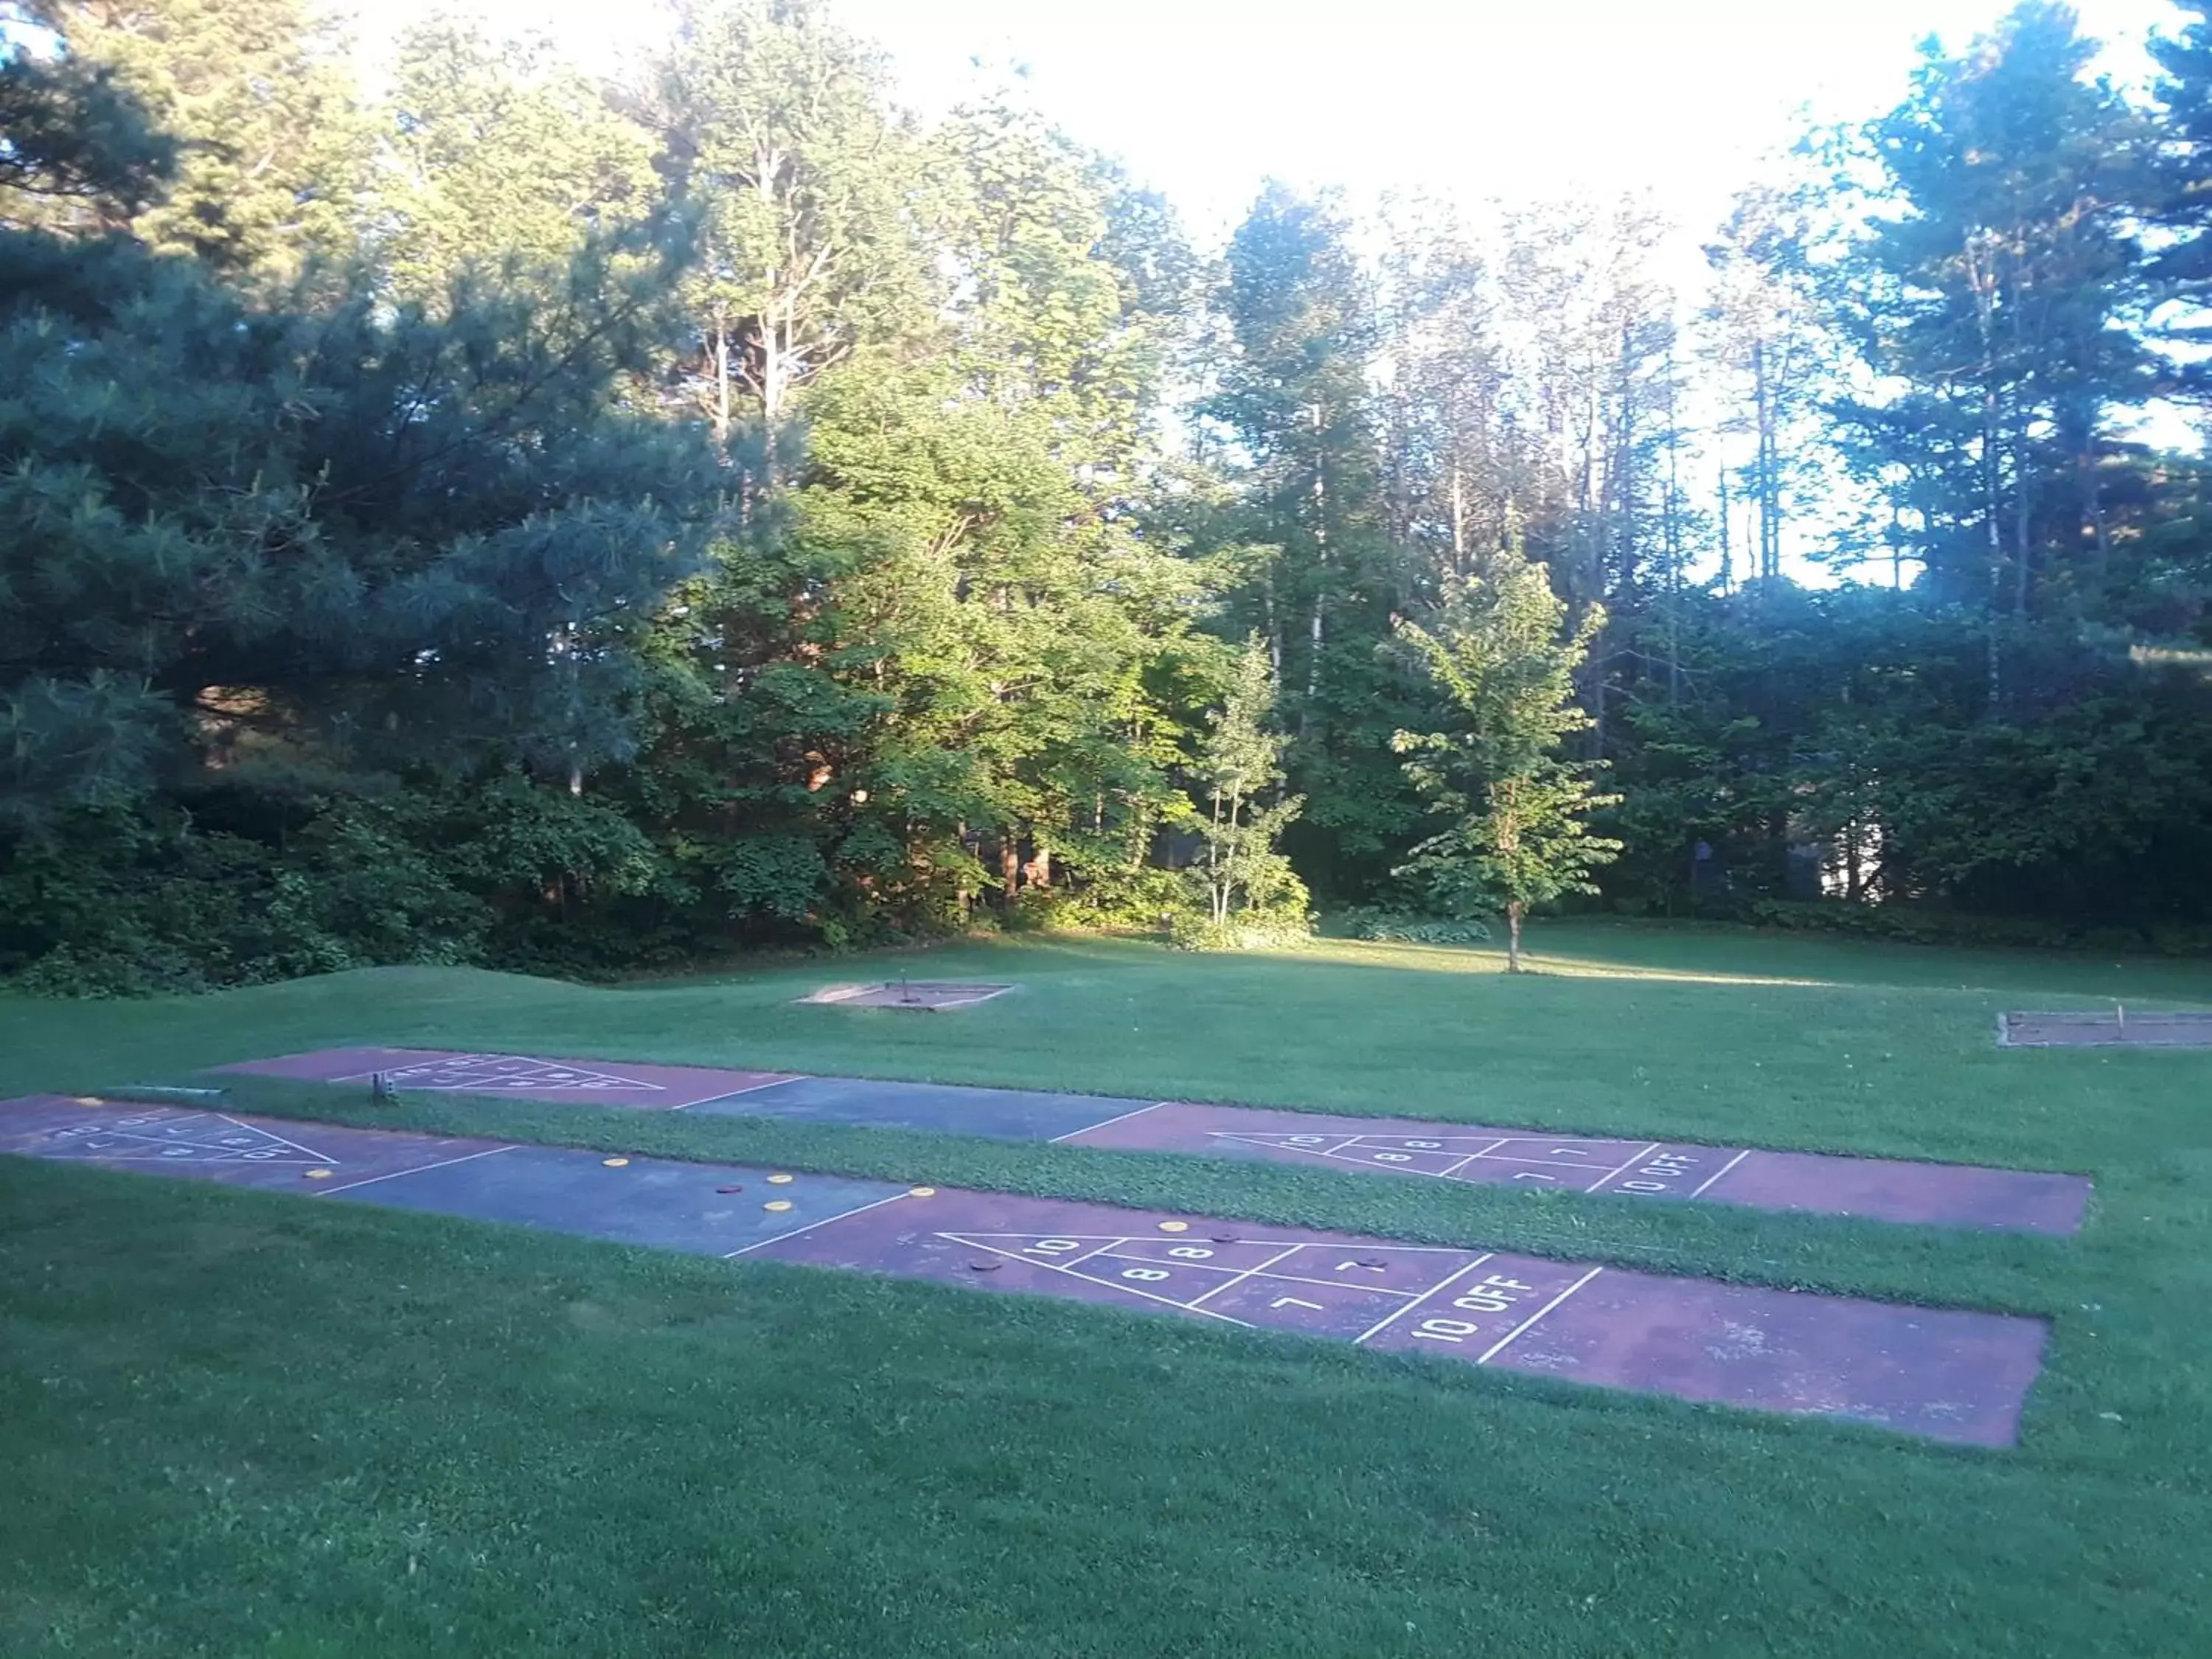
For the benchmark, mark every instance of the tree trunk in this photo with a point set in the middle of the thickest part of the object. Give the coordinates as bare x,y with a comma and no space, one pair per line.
721,381
1728,559
1513,912
1459,522
1770,526
1321,579
1010,866
1985,308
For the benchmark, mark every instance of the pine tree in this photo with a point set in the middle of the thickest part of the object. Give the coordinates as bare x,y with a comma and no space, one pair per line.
774,131
1516,834
271,152
964,654
2178,192
1761,337
350,538
500,158
1321,579
1243,876
1992,298
77,147
1452,461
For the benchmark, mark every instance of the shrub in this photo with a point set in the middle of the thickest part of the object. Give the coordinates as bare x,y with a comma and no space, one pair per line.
1397,927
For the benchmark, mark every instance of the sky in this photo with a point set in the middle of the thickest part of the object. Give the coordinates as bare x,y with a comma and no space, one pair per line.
1474,99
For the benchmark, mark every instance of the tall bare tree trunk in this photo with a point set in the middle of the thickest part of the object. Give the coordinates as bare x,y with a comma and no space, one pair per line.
1983,281
1728,561
2092,495
1994,538
721,378
1320,576
1459,521
1770,516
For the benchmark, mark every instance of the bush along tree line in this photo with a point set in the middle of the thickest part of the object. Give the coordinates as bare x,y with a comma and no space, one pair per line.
519,517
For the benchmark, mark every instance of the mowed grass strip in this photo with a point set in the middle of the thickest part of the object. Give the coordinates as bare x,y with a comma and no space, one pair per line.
240,1426
1714,1036
241,1423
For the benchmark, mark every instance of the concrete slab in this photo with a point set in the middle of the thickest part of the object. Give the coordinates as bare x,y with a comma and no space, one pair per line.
527,1077
1945,1374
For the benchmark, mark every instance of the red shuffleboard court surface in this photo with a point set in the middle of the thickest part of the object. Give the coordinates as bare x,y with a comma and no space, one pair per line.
527,1077
1946,1374
1884,1189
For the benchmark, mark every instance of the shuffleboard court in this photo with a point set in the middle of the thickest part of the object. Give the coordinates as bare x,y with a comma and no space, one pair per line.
1946,1374
2098,1029
666,1203
527,1077
1881,1190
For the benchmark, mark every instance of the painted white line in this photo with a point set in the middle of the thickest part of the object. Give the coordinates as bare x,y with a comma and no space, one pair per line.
1231,1284
1073,1261
1279,1279
1499,1346
1699,1189
1104,1284
256,1129
363,1077
420,1168
1446,1175
1088,1127
762,1245
1329,1151
1252,1138
1022,1254
749,1089
1098,1246
401,1074
1624,1168
1449,1280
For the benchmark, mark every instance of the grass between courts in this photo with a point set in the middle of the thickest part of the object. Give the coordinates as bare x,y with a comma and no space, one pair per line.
241,1423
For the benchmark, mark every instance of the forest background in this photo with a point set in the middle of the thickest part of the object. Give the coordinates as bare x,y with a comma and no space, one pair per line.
587,522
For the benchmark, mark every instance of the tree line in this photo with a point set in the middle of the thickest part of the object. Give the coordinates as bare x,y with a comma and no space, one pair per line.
506,514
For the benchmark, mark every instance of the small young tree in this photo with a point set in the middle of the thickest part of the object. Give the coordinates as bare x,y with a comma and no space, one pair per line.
1242,874
1516,834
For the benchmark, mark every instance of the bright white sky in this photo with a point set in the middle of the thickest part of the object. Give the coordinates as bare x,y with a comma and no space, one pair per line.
1473,99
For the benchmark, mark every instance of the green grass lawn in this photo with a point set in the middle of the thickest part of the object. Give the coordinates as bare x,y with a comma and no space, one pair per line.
236,1423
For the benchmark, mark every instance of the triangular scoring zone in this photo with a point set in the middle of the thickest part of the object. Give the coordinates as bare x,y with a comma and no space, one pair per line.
1323,1145
1438,1155
195,1137
488,1073
1148,1267
1013,1246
